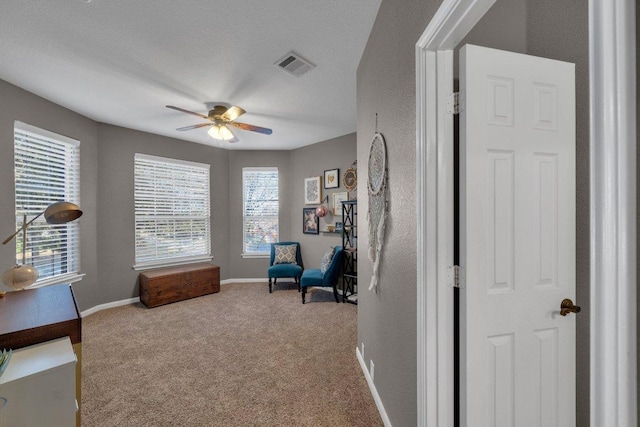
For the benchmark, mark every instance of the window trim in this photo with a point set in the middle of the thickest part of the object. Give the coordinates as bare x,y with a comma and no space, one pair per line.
24,127
258,255
68,277
172,262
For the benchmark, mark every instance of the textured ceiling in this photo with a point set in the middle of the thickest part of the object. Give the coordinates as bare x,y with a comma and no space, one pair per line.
121,61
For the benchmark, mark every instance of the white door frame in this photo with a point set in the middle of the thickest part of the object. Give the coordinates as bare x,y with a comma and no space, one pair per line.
613,209
612,96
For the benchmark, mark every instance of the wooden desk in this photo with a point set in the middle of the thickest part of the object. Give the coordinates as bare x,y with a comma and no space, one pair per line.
39,315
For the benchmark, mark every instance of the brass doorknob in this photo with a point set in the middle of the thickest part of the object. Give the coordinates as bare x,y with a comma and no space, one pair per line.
567,306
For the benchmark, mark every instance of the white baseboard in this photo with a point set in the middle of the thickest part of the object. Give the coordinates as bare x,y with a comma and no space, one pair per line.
227,281
137,299
372,388
109,305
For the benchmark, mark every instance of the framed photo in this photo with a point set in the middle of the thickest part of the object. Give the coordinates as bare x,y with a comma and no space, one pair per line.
338,198
310,221
339,227
312,190
332,178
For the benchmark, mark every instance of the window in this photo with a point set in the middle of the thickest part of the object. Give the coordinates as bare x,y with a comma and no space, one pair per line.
260,210
47,170
172,211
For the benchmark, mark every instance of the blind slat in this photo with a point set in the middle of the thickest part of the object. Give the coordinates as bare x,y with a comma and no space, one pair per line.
46,171
260,209
172,209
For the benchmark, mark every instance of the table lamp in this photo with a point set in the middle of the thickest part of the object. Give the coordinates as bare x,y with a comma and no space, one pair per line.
21,276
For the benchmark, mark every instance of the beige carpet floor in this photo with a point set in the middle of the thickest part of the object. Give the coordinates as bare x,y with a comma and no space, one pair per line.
241,357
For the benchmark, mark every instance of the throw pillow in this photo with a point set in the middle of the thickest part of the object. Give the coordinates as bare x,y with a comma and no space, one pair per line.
285,254
326,259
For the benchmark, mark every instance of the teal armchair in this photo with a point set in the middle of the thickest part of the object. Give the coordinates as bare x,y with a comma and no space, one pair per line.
316,277
278,268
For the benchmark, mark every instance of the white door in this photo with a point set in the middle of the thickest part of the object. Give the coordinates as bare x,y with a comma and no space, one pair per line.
517,239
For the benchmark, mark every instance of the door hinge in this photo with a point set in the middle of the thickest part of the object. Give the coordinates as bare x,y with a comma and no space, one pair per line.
455,102
455,276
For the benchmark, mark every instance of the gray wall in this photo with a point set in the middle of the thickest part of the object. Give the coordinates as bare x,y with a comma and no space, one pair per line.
107,163
386,85
310,161
248,268
387,319
116,235
115,188
638,186
508,15
293,166
18,104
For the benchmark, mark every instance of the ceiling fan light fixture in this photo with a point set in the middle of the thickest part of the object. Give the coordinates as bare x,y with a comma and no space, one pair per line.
220,132
219,119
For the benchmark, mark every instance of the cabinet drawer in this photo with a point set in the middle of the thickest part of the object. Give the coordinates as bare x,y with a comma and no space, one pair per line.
40,386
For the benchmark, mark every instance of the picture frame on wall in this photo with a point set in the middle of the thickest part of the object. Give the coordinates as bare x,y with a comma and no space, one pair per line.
332,178
338,198
313,190
310,221
350,179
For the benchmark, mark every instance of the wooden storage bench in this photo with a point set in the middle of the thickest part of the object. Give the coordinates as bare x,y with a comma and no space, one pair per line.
166,285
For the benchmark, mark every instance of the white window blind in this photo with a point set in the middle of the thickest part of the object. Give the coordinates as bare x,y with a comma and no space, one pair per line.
172,211
47,170
260,209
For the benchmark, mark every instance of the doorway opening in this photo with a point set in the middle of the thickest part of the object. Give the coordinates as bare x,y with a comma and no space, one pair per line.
612,55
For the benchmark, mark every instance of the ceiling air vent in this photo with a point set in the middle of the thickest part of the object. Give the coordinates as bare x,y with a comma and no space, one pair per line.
294,64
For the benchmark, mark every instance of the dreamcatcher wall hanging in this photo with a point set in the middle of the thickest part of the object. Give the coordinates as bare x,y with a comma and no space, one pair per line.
377,215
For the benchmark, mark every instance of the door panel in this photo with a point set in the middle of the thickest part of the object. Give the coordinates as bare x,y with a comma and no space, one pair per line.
517,239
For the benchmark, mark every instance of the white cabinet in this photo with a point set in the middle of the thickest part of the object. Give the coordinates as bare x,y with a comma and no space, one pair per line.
39,385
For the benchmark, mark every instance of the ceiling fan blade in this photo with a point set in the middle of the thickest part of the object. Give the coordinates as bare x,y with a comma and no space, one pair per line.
232,113
201,125
252,128
187,111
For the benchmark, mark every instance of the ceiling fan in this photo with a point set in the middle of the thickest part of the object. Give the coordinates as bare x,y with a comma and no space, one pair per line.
220,118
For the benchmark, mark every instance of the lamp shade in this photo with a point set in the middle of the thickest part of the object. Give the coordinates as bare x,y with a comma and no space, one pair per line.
21,276
321,211
62,212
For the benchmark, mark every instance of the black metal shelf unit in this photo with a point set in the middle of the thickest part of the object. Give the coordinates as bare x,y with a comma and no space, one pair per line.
350,247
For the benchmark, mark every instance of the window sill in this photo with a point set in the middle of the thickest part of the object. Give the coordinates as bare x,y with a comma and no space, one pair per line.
255,256
171,263
66,278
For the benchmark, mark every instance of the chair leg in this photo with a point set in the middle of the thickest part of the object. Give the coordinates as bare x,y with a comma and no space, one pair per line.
335,293
298,282
270,289
304,293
